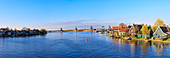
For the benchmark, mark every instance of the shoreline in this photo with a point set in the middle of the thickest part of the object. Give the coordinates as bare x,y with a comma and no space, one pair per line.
157,41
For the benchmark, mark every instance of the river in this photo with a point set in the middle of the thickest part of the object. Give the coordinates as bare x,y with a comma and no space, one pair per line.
79,44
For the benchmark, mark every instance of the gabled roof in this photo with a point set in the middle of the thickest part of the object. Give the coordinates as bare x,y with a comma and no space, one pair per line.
115,27
124,29
137,26
164,29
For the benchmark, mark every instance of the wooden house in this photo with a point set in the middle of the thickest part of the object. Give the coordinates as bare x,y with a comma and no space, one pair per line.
115,28
161,33
136,28
140,35
123,31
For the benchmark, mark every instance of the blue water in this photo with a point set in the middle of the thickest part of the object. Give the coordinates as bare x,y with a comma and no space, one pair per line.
71,44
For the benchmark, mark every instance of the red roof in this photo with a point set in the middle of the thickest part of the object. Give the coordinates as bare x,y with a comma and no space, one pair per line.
124,29
115,27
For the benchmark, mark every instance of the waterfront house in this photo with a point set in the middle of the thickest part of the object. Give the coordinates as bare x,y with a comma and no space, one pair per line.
136,28
15,33
23,32
115,29
161,33
123,31
10,33
140,35
19,32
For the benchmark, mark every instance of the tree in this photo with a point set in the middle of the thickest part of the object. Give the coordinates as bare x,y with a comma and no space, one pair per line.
75,28
24,28
91,27
15,29
145,31
61,29
154,28
122,25
11,30
116,34
27,29
42,30
103,28
149,26
7,28
159,22
109,27
129,26
168,28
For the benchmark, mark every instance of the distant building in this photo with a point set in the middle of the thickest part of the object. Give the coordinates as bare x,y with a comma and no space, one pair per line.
4,31
1,33
115,28
123,31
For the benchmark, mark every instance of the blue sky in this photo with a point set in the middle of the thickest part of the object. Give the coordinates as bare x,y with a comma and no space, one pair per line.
53,14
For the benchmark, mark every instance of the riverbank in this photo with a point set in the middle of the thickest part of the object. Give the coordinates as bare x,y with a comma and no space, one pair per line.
160,41
152,40
6,32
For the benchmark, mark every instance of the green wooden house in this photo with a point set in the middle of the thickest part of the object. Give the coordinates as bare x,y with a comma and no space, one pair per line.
140,35
161,33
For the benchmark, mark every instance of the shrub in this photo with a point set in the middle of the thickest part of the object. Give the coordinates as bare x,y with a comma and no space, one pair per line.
167,39
42,30
126,35
134,36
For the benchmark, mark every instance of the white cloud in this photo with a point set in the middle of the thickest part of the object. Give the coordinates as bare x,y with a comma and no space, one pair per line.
80,24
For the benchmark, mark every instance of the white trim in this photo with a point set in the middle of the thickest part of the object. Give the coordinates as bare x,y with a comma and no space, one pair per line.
161,31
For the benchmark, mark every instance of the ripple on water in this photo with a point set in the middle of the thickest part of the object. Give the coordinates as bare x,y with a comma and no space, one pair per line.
71,44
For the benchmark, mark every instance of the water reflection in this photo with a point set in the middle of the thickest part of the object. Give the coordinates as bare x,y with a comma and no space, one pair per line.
75,35
61,34
80,45
159,49
42,35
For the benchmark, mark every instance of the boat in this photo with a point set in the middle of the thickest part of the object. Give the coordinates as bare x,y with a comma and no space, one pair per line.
100,32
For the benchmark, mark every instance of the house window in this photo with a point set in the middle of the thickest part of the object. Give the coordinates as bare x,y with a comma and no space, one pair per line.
158,36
